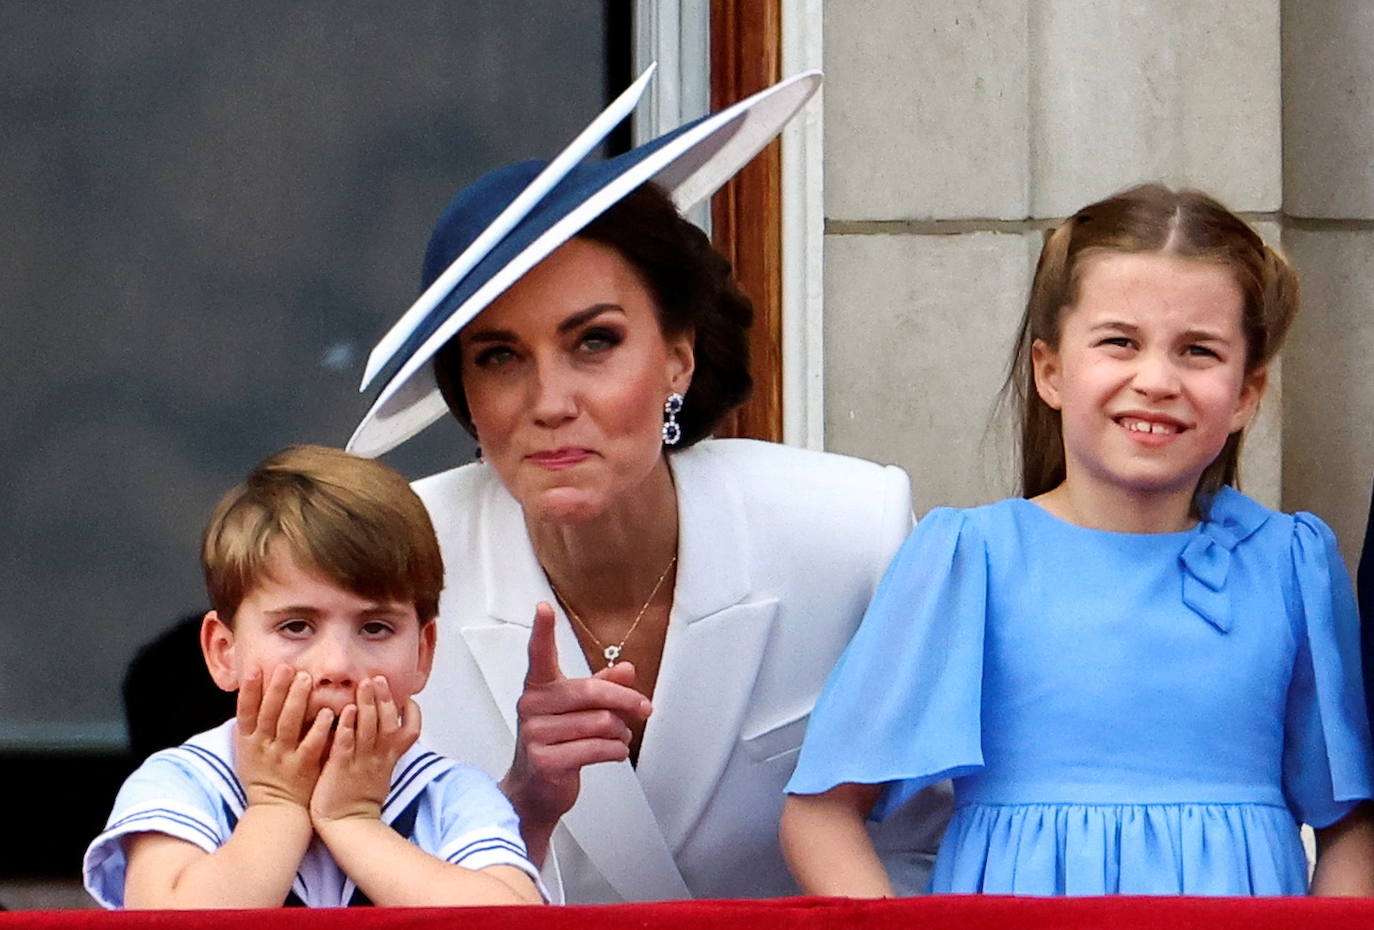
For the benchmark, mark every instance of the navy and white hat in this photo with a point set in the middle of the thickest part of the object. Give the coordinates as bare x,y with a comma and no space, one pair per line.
507,221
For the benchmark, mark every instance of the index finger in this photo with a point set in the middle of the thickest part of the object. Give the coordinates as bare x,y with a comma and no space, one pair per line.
543,667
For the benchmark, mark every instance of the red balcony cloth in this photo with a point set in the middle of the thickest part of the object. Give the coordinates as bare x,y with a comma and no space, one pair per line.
956,912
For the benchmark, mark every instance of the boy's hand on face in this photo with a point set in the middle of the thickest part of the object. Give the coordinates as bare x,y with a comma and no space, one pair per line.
277,763
371,736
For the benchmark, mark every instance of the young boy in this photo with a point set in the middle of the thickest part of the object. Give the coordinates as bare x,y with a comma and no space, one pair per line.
324,575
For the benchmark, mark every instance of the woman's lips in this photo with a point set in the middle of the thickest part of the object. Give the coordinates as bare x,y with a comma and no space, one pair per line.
556,459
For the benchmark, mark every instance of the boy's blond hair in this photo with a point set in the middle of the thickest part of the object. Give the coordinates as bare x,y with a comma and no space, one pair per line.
351,519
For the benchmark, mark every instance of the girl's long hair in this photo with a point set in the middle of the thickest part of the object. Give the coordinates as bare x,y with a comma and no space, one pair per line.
1149,218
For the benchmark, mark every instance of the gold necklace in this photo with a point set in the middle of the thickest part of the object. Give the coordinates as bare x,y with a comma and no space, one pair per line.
612,652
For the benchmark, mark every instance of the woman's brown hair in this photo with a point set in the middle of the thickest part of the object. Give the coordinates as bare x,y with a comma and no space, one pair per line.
1149,218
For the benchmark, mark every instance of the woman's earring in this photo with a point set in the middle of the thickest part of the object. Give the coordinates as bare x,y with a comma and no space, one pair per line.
671,408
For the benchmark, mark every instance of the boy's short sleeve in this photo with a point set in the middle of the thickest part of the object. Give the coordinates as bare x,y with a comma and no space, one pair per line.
162,796
473,825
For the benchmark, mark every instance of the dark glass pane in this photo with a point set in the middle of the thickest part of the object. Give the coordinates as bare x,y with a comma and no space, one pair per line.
211,211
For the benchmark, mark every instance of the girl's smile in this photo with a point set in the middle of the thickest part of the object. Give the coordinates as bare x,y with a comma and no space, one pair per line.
1147,425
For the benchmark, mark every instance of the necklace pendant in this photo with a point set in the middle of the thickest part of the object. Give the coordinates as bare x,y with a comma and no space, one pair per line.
611,652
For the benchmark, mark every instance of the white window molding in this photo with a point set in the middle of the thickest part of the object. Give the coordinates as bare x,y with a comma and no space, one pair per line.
803,237
676,34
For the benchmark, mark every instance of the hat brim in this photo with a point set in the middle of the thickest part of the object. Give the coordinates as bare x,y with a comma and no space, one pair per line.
519,208
689,164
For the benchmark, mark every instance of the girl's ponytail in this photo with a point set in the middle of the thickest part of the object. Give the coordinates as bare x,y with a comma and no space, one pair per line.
1040,441
1282,296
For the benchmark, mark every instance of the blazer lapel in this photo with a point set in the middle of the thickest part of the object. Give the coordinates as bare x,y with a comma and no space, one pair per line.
716,641
512,583
611,804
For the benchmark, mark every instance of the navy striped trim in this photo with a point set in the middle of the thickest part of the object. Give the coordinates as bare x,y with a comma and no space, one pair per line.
487,844
162,813
411,773
424,759
400,776
222,768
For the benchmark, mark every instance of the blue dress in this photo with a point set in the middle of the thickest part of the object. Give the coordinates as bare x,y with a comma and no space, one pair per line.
1121,713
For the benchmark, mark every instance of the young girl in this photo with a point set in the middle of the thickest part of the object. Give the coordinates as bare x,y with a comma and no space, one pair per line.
1140,680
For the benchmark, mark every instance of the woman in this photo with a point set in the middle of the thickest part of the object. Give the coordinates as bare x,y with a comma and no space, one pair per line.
692,594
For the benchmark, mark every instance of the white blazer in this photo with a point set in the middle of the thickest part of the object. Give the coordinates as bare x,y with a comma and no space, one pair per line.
779,550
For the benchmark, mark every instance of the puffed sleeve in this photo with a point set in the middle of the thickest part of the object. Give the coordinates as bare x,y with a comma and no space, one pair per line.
1326,738
901,707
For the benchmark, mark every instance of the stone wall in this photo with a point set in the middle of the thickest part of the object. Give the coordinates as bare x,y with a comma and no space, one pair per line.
1328,202
957,132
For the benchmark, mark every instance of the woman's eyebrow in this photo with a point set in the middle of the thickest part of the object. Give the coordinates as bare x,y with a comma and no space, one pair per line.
573,322
582,316
491,335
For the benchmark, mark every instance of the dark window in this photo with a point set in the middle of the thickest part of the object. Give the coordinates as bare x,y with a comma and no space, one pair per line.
211,212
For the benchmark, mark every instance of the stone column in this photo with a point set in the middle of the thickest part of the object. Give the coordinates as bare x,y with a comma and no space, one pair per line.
1328,146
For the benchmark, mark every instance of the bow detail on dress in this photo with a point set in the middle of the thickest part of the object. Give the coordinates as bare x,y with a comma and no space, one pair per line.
1206,560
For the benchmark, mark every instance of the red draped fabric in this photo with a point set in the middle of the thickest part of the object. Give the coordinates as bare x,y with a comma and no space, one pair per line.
931,913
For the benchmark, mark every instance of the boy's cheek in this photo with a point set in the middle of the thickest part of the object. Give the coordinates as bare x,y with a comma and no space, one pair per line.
265,670
403,688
